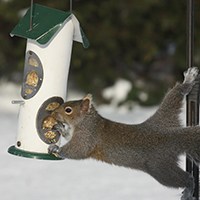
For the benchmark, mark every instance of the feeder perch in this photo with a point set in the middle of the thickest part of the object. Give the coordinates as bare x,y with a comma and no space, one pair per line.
44,88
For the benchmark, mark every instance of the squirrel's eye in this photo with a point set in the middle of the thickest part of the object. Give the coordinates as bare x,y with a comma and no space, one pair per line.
68,110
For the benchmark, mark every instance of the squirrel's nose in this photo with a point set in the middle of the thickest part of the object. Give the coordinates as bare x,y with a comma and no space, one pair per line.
57,116
54,114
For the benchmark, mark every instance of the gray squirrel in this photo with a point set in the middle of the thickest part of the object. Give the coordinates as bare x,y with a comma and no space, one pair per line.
153,146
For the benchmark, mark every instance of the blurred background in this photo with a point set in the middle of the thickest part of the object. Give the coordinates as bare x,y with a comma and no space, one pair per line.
137,51
142,43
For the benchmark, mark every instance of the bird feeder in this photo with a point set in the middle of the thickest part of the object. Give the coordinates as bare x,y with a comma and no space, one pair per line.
50,34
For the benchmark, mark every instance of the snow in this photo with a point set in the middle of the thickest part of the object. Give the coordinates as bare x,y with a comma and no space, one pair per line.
118,92
23,178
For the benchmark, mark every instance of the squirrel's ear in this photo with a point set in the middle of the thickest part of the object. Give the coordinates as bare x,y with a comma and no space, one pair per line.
86,103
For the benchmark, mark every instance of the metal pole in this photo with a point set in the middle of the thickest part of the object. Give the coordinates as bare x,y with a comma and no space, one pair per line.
189,61
192,105
193,120
70,6
31,15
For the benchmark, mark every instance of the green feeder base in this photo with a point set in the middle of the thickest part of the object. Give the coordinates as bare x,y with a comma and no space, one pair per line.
44,156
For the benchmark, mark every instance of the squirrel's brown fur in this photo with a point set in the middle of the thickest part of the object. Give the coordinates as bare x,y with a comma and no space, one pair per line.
152,146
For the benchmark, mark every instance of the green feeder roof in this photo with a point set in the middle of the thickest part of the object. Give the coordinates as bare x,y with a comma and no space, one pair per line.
46,22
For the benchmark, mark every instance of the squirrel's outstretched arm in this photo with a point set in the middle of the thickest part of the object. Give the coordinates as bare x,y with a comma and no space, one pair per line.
170,175
69,150
170,108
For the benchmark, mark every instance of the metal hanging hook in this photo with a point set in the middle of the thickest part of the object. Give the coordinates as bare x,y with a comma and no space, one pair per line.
70,6
31,16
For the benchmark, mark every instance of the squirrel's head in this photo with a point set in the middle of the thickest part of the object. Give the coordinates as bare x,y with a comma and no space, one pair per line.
72,112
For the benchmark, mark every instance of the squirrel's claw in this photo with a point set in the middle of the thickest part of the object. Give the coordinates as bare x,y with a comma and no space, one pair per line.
53,149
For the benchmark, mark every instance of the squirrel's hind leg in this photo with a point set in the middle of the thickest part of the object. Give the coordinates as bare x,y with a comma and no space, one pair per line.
168,173
168,113
189,80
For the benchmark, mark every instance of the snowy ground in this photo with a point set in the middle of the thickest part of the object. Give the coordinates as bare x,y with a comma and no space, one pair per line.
28,179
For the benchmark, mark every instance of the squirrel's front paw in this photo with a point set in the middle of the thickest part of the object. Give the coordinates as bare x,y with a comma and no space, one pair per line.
190,75
53,149
59,128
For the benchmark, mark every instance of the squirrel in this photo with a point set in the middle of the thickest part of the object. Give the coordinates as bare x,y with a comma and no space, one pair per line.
153,146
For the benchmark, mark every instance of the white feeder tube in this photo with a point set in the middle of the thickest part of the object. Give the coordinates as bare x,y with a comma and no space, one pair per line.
55,58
